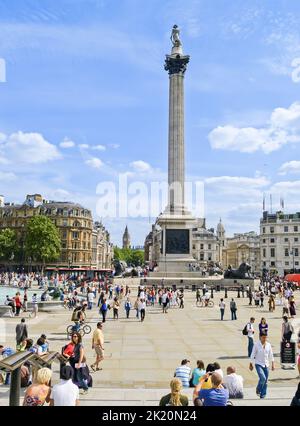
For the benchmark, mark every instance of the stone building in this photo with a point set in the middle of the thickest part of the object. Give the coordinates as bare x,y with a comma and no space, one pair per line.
205,244
102,248
74,222
243,247
280,242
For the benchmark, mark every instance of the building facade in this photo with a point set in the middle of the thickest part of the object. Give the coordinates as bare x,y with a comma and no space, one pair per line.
102,248
243,247
74,222
280,242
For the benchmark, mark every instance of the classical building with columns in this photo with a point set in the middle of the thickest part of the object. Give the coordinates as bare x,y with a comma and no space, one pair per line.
243,247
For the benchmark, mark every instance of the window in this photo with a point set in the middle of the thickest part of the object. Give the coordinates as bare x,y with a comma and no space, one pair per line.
65,222
264,252
272,229
296,239
297,263
209,256
264,264
264,240
296,252
201,256
272,240
272,252
264,230
286,229
64,245
64,235
286,252
287,263
286,240
295,228
209,248
75,235
194,247
201,246
272,263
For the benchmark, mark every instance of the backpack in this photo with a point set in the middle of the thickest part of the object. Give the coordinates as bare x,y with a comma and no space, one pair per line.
245,331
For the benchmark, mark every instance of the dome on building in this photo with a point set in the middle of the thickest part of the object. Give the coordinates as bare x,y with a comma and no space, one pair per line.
220,227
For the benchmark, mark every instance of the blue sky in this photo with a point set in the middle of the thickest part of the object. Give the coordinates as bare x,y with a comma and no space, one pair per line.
86,99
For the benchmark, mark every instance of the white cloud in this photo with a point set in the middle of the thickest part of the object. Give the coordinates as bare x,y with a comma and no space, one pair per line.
28,148
140,166
67,143
84,146
282,128
94,162
99,148
289,167
7,177
287,188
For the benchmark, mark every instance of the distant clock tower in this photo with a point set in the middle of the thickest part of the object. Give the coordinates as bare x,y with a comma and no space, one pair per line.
126,238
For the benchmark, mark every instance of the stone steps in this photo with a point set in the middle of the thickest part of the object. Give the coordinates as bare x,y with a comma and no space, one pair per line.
99,396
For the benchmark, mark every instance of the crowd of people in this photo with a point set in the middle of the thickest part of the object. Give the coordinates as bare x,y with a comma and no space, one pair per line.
211,385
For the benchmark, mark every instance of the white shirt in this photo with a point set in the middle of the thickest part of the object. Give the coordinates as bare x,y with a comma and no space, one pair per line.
164,298
222,305
250,329
234,383
262,356
91,297
65,394
142,305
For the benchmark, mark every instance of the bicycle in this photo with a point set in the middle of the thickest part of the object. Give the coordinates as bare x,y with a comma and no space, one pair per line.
210,304
82,329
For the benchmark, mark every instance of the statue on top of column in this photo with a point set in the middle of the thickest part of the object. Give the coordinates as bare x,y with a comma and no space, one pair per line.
175,36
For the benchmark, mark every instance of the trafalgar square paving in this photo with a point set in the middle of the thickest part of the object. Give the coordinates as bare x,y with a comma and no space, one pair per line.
141,357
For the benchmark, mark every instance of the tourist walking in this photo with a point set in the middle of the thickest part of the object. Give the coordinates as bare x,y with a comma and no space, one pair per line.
142,309
77,362
25,300
18,303
98,346
263,327
21,332
222,306
35,305
250,333
103,310
292,307
136,307
127,307
165,301
287,330
233,309
262,355
271,303
116,306
285,307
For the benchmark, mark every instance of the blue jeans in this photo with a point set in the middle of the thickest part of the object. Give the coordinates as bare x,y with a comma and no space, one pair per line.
263,374
82,383
222,314
250,346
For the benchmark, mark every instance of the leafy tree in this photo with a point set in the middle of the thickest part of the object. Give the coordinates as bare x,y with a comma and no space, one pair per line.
131,257
42,240
8,244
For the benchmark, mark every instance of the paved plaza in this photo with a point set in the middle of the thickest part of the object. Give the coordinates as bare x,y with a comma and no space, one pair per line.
143,356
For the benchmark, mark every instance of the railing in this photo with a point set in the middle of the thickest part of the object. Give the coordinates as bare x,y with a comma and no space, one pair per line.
13,364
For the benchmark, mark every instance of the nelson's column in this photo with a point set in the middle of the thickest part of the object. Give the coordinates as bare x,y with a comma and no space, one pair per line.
175,224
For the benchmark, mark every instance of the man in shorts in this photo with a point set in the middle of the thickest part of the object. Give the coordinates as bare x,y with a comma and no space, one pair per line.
98,345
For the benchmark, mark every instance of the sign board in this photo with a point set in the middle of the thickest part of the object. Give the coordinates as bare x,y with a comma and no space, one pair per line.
288,353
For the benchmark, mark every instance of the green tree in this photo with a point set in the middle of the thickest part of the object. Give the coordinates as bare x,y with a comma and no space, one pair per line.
8,244
137,257
131,257
42,240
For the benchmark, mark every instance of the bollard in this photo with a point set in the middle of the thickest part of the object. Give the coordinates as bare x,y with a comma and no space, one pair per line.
226,293
15,386
212,293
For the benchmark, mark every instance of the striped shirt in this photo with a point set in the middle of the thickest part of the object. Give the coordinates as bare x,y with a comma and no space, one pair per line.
183,373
